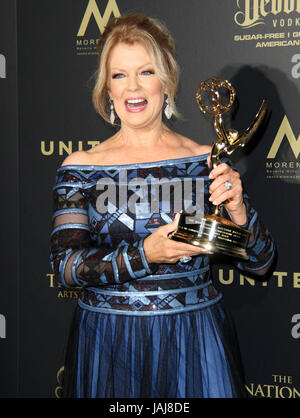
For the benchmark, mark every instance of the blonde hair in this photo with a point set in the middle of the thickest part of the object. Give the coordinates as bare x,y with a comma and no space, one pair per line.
131,28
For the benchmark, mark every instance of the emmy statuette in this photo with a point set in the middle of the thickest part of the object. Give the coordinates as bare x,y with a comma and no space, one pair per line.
212,232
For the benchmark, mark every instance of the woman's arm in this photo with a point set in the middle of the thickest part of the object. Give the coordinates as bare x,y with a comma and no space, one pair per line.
261,247
75,259
237,207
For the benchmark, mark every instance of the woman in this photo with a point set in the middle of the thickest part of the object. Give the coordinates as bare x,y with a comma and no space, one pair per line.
149,322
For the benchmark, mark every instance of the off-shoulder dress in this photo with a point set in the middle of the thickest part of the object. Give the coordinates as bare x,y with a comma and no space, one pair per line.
139,329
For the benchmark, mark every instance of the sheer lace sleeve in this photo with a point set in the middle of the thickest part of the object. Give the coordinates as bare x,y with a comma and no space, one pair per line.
74,258
261,247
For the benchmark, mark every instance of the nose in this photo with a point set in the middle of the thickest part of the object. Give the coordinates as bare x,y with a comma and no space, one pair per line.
133,83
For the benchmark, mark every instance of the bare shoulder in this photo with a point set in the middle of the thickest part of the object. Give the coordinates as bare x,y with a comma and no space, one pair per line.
202,149
194,147
93,156
78,158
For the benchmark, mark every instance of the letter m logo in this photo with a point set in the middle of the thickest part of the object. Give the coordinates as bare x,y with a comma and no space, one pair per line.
285,130
93,10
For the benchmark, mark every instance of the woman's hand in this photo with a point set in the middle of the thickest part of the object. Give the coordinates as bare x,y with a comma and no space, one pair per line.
159,248
219,193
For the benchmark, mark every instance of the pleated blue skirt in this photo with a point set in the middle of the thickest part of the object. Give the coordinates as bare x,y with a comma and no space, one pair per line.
184,355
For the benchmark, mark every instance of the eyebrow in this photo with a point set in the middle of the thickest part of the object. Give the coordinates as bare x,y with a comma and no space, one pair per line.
142,66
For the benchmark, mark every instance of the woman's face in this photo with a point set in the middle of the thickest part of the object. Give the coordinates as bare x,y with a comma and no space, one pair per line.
133,86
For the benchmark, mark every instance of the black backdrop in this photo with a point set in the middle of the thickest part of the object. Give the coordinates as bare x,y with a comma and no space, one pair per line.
46,113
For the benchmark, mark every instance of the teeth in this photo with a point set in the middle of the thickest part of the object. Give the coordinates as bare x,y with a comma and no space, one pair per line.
132,101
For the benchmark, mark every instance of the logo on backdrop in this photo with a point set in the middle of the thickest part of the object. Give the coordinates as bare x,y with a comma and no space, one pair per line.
281,386
59,379
282,279
87,39
60,291
282,159
65,147
296,67
2,326
268,23
2,66
295,331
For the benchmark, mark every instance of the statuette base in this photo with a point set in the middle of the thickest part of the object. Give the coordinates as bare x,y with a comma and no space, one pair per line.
212,233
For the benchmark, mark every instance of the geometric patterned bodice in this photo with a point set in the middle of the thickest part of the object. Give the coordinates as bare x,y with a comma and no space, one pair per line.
102,215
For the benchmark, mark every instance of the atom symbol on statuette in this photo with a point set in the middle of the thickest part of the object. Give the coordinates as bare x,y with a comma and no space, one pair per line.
215,96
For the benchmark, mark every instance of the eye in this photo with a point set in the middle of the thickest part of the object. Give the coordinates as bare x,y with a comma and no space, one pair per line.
117,75
147,72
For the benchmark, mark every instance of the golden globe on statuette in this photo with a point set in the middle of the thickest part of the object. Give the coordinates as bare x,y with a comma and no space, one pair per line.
212,232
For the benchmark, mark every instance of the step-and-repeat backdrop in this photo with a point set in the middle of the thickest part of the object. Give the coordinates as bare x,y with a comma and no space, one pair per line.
48,57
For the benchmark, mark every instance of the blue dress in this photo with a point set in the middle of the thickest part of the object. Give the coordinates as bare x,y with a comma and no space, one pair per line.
143,330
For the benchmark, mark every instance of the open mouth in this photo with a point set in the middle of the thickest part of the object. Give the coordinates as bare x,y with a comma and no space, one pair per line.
136,104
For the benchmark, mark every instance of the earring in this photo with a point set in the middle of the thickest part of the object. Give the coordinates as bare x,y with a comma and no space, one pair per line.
112,113
168,110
